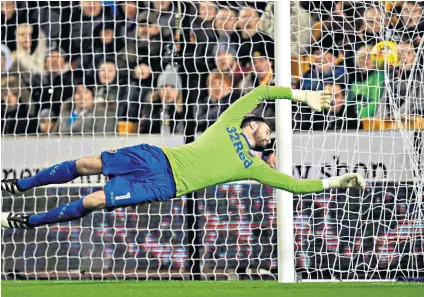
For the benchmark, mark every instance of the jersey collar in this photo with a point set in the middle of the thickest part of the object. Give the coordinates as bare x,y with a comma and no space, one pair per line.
247,141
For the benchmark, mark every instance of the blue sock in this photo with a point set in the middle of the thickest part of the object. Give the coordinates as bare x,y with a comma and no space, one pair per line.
57,174
64,213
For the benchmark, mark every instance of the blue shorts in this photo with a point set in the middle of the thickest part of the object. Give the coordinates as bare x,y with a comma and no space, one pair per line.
137,174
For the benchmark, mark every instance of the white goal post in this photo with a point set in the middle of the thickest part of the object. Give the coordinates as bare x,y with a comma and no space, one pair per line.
283,115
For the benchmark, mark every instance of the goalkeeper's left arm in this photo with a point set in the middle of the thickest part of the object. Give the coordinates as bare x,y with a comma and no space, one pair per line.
268,176
317,100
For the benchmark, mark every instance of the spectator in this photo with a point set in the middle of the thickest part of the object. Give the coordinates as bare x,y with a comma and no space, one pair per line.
140,90
85,19
149,33
406,89
166,18
363,64
373,25
57,84
142,74
11,17
262,72
107,43
410,26
249,38
85,116
6,60
107,88
150,44
407,58
301,28
203,24
266,24
16,115
226,62
205,34
221,96
323,70
367,94
48,120
348,27
149,47
165,113
31,50
225,24
129,12
341,115
207,12
52,20
338,29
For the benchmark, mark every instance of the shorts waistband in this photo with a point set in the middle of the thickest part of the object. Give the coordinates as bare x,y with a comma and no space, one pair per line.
170,173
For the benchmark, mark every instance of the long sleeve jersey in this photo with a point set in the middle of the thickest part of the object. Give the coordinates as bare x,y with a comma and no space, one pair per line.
222,153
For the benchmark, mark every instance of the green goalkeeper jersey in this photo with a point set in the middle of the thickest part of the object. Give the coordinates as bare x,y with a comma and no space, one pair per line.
222,153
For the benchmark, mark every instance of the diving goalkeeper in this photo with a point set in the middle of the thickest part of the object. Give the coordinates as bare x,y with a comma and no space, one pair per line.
145,173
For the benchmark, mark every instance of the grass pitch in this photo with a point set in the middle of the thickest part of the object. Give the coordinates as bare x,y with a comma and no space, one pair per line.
205,289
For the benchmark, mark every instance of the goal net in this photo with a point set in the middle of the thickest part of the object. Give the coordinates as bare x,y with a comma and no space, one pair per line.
79,78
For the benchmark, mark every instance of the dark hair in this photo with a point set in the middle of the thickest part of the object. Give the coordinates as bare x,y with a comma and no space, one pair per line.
247,120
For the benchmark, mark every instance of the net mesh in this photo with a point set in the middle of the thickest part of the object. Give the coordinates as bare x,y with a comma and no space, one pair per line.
81,77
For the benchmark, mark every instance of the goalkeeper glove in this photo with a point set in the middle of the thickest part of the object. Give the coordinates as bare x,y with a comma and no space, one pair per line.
346,181
317,100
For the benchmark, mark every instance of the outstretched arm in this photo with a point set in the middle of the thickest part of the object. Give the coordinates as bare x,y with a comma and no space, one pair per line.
317,100
268,176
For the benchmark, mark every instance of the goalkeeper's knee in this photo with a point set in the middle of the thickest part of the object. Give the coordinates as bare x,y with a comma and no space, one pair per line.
89,165
96,200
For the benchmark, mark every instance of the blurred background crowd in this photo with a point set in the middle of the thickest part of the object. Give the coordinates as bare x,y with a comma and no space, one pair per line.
117,67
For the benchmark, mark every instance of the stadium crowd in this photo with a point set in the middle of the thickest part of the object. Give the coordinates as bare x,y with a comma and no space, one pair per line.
109,67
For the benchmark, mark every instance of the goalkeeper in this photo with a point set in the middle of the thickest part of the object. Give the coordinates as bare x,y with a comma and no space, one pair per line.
144,173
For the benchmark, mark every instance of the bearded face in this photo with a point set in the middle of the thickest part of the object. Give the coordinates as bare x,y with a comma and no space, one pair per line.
261,136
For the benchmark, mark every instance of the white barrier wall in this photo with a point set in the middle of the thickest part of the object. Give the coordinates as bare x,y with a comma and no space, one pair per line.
378,156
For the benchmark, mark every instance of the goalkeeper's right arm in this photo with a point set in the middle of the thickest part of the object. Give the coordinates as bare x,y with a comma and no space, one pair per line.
268,176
